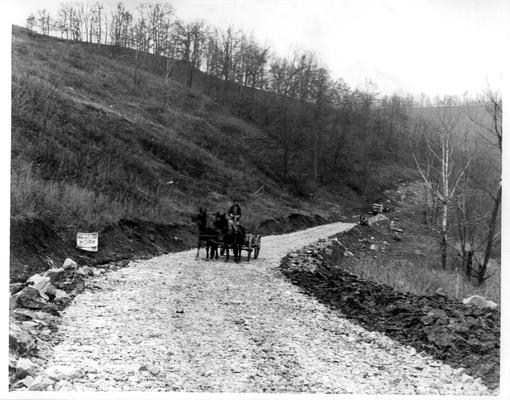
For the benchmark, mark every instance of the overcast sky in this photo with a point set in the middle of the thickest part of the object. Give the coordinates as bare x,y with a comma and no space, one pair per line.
432,46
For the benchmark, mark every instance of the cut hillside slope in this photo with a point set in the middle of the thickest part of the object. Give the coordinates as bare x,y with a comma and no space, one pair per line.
90,149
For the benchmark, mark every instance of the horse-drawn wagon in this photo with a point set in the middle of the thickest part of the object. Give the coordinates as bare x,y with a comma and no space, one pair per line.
223,235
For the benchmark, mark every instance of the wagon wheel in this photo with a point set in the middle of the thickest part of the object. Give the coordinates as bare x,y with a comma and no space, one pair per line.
256,247
250,244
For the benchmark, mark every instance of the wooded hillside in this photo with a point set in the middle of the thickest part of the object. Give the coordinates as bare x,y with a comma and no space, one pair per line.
90,145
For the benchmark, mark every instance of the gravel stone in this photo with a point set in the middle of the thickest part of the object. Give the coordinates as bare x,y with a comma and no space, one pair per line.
41,383
63,372
25,367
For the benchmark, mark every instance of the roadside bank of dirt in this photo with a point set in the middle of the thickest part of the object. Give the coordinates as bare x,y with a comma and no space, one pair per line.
34,246
461,336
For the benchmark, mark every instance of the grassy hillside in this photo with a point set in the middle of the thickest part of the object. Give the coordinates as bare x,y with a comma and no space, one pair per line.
89,147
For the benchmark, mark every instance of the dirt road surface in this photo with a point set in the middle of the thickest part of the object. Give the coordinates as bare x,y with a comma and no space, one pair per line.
174,323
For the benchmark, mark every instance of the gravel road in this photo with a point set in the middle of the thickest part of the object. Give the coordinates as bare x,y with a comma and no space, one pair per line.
176,323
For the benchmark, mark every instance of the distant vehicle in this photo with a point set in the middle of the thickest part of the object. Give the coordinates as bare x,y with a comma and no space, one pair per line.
377,208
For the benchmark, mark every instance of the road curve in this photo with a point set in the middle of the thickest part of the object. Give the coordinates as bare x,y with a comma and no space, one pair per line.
174,323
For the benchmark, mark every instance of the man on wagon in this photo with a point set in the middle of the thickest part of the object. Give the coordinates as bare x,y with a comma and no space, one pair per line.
234,214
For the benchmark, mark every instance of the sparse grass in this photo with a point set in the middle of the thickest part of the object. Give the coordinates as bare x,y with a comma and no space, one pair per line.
64,204
58,202
420,278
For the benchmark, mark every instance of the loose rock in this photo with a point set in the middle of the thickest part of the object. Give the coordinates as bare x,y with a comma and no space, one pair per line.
479,301
25,382
16,287
31,298
55,274
41,283
64,386
86,271
62,299
63,372
25,367
70,264
41,383
20,341
13,301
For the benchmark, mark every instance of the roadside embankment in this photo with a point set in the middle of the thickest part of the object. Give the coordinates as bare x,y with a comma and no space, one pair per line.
462,336
33,243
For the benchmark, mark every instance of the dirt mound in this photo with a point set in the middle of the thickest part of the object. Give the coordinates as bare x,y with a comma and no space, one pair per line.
461,336
32,244
35,246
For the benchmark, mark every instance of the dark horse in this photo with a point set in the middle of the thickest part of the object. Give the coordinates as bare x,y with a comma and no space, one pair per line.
233,235
206,233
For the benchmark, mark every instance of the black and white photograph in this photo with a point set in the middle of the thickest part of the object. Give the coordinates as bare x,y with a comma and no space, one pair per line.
255,198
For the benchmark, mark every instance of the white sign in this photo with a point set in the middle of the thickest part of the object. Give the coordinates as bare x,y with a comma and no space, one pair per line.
87,241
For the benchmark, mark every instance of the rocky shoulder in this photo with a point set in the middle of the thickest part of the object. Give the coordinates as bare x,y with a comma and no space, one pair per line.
35,308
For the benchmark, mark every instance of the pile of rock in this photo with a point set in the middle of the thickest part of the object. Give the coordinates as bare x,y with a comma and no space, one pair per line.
35,307
29,375
51,291
317,254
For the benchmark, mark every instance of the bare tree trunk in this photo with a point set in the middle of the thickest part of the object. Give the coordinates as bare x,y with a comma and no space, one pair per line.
444,234
445,190
286,145
469,264
316,154
189,77
426,209
490,239
168,73
446,197
286,160
137,68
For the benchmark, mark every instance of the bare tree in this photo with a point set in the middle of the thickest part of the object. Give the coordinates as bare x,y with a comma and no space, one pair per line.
85,18
467,205
44,21
158,19
63,16
98,20
170,54
321,97
337,128
442,152
283,84
120,23
229,43
491,131
189,40
30,22
212,54
140,43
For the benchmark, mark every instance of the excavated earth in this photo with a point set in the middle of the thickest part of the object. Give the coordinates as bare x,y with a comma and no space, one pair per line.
35,246
465,337
175,323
